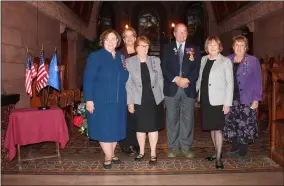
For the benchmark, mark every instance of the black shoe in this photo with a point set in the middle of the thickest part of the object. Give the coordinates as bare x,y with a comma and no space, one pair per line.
243,150
115,160
153,160
139,157
232,152
212,158
219,164
107,166
127,150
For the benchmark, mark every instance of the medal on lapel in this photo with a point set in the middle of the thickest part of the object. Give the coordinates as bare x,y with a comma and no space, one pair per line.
190,51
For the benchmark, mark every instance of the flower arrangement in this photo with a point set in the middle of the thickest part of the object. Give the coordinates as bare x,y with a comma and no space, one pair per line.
80,118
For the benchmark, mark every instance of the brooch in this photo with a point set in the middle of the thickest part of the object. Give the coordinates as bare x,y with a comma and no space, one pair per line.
245,66
123,62
154,69
175,49
190,52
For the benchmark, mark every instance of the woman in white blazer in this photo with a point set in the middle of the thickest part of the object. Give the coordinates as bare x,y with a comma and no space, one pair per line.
215,85
145,96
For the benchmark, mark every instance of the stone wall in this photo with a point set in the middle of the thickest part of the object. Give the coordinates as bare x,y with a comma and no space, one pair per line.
269,35
266,21
22,25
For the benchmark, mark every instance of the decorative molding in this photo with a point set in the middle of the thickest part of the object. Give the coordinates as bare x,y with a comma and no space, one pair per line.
64,15
62,28
251,14
251,26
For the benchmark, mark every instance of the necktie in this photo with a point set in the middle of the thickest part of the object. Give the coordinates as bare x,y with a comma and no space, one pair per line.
180,55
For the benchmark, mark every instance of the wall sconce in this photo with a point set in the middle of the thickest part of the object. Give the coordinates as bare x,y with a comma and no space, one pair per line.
173,25
126,26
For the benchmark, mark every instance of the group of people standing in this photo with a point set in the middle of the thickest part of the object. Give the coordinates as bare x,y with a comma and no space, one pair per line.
125,93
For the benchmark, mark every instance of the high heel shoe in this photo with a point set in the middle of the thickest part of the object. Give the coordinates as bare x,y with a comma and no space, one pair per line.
139,157
107,166
115,160
212,158
219,164
153,160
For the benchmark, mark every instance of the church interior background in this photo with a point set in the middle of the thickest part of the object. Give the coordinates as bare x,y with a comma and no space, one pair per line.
74,27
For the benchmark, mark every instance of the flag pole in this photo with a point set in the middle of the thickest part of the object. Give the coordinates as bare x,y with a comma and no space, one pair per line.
49,85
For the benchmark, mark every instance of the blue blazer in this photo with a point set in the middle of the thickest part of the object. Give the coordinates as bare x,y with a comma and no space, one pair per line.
104,78
170,68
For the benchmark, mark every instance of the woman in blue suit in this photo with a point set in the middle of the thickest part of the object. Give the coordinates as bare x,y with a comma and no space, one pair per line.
105,95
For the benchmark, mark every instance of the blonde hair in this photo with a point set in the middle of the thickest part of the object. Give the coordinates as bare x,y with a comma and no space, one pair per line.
129,29
240,38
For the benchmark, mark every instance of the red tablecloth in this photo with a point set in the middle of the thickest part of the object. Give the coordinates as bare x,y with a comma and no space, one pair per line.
30,126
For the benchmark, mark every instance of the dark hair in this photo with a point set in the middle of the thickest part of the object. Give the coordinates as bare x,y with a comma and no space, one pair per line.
106,33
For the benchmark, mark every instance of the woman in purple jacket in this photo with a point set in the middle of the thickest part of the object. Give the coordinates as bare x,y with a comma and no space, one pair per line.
241,125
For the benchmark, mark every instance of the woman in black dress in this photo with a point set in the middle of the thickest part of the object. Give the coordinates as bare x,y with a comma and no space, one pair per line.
215,85
145,97
129,145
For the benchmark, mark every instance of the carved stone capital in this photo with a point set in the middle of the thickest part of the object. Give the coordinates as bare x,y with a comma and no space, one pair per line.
251,26
62,28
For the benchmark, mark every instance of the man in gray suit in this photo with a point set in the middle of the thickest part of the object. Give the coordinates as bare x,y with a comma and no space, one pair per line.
180,65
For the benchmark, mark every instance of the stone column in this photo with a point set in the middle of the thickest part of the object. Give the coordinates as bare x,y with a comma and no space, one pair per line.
72,60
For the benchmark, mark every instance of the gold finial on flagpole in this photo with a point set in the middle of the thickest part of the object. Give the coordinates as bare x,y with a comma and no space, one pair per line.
42,47
55,49
27,49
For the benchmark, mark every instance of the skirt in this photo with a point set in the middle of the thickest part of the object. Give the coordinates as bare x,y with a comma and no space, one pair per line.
241,123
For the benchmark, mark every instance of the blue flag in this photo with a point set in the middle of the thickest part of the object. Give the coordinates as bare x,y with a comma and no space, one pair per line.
54,73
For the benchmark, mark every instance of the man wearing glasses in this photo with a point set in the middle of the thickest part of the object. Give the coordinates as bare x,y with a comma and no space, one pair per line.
180,66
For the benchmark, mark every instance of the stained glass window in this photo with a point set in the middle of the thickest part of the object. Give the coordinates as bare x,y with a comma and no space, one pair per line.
195,24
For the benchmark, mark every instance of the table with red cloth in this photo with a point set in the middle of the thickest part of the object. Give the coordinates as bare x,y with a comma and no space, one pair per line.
30,125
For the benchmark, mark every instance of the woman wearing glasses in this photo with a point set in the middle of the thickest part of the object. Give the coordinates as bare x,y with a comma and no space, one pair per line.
145,97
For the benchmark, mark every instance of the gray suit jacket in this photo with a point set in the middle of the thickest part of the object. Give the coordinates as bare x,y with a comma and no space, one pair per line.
134,82
221,81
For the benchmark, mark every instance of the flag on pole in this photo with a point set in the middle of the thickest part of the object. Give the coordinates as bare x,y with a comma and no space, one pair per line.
30,74
54,73
42,76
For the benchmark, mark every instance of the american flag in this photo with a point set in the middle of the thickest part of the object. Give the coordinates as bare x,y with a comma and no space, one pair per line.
42,76
30,75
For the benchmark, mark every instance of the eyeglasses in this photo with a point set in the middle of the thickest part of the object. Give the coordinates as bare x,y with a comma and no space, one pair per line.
144,46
